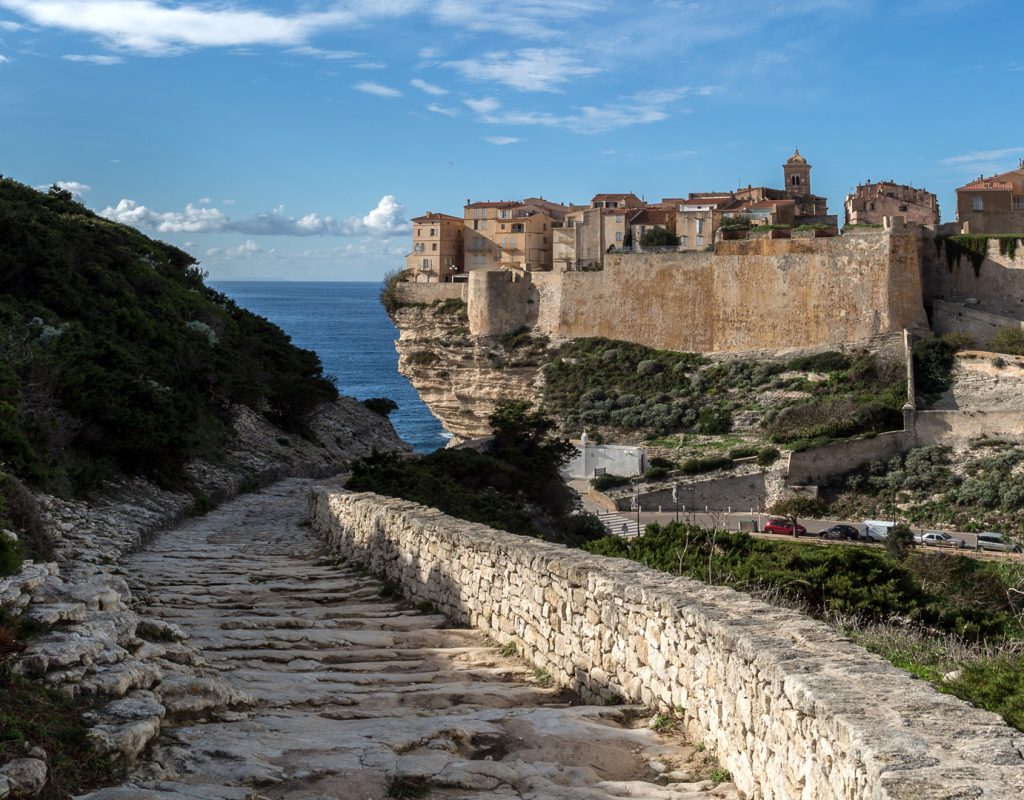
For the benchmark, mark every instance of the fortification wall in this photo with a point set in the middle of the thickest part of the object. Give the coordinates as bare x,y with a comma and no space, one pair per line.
997,284
814,466
500,302
980,325
431,292
753,295
947,427
793,709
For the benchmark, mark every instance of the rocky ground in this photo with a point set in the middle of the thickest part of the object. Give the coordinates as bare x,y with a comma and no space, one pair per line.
96,645
332,688
985,381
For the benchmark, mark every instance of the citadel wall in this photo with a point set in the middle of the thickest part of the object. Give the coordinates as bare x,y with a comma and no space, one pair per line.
751,295
997,284
791,707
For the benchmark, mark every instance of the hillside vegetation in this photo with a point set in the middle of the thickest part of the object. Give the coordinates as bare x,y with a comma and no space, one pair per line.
115,358
627,391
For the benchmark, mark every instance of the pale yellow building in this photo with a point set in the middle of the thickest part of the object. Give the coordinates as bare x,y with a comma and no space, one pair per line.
510,234
436,255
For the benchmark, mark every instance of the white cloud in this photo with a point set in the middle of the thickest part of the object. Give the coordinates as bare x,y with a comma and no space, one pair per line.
387,219
445,110
7,25
659,97
103,61
429,52
483,105
330,55
368,87
247,249
986,160
76,188
156,28
534,19
529,70
429,88
4,59
502,140
586,119
371,65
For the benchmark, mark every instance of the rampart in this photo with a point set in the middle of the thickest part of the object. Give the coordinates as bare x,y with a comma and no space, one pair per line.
792,708
431,292
753,295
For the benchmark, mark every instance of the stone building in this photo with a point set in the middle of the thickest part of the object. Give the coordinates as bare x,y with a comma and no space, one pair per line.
436,255
993,205
646,219
871,202
510,234
595,229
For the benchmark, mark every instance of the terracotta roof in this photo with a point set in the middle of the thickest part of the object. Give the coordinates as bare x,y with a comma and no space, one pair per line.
432,216
600,197
494,204
649,216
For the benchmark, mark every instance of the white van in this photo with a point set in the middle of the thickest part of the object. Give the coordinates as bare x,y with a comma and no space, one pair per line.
875,530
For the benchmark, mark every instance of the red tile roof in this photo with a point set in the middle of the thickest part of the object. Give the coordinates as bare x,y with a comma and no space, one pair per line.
433,216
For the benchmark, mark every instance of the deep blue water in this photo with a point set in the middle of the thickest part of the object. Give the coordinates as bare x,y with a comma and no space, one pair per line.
347,327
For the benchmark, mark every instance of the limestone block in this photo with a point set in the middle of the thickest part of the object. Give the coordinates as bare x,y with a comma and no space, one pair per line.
25,777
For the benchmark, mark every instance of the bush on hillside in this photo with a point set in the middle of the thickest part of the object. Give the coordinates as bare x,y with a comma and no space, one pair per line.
1009,340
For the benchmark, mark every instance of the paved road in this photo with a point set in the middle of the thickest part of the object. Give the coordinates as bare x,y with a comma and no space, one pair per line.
357,696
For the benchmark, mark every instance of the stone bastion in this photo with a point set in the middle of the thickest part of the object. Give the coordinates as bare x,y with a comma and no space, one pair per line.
792,708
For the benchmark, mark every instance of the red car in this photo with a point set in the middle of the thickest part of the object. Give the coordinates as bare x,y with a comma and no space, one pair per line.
783,526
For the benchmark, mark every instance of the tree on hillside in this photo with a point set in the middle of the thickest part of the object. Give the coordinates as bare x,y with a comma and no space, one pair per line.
658,237
899,541
792,508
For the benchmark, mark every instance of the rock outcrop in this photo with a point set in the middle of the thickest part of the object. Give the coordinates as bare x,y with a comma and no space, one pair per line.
462,377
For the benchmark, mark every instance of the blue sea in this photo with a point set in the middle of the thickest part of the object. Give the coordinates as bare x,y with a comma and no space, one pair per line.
345,324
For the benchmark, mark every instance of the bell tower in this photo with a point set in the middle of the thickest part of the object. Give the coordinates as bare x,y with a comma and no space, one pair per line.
798,175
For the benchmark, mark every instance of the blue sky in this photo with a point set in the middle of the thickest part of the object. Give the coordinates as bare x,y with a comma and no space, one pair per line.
295,140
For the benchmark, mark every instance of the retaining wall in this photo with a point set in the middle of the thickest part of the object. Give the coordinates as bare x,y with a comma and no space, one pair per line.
431,292
814,466
792,709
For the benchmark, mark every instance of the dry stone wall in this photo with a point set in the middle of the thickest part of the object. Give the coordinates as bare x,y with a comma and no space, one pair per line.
793,709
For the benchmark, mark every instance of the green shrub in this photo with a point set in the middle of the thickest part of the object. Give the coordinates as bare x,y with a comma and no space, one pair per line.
381,405
649,368
743,452
608,481
657,461
713,421
829,361
1009,340
695,466
933,367
958,340
10,556
655,474
389,291
658,237
899,541
767,456
451,305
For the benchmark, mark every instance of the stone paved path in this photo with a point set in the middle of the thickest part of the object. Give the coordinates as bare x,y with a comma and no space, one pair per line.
359,697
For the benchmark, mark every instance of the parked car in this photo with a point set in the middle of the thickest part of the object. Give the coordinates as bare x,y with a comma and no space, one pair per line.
783,526
841,533
991,540
940,539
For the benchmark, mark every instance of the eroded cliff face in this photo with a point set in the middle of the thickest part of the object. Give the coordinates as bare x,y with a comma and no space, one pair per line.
462,378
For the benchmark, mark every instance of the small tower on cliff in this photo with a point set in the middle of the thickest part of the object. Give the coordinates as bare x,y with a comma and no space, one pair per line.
798,175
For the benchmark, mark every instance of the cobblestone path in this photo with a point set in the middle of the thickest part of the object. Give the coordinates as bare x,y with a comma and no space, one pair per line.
357,696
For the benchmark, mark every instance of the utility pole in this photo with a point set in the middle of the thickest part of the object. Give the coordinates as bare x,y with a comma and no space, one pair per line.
675,498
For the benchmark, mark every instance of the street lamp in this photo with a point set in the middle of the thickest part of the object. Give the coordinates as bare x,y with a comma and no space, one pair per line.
636,499
675,498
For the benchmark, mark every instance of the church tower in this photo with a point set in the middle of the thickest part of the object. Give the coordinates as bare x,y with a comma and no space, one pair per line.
798,175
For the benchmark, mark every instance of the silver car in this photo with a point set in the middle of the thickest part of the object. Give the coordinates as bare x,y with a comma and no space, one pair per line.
991,540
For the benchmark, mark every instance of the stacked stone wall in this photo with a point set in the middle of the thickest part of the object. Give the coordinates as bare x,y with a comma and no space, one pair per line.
793,709
431,292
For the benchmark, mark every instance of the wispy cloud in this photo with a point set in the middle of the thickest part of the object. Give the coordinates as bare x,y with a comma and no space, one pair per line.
530,70
429,88
377,89
502,140
661,97
444,110
585,119
532,19
155,28
386,219
75,187
246,249
985,160
7,25
329,55
103,61
4,59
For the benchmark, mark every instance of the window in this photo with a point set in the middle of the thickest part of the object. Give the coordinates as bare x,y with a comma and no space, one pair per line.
700,241
618,217
700,226
903,208
503,226
426,264
505,213
618,236
1018,203
977,204
684,240
434,247
432,231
